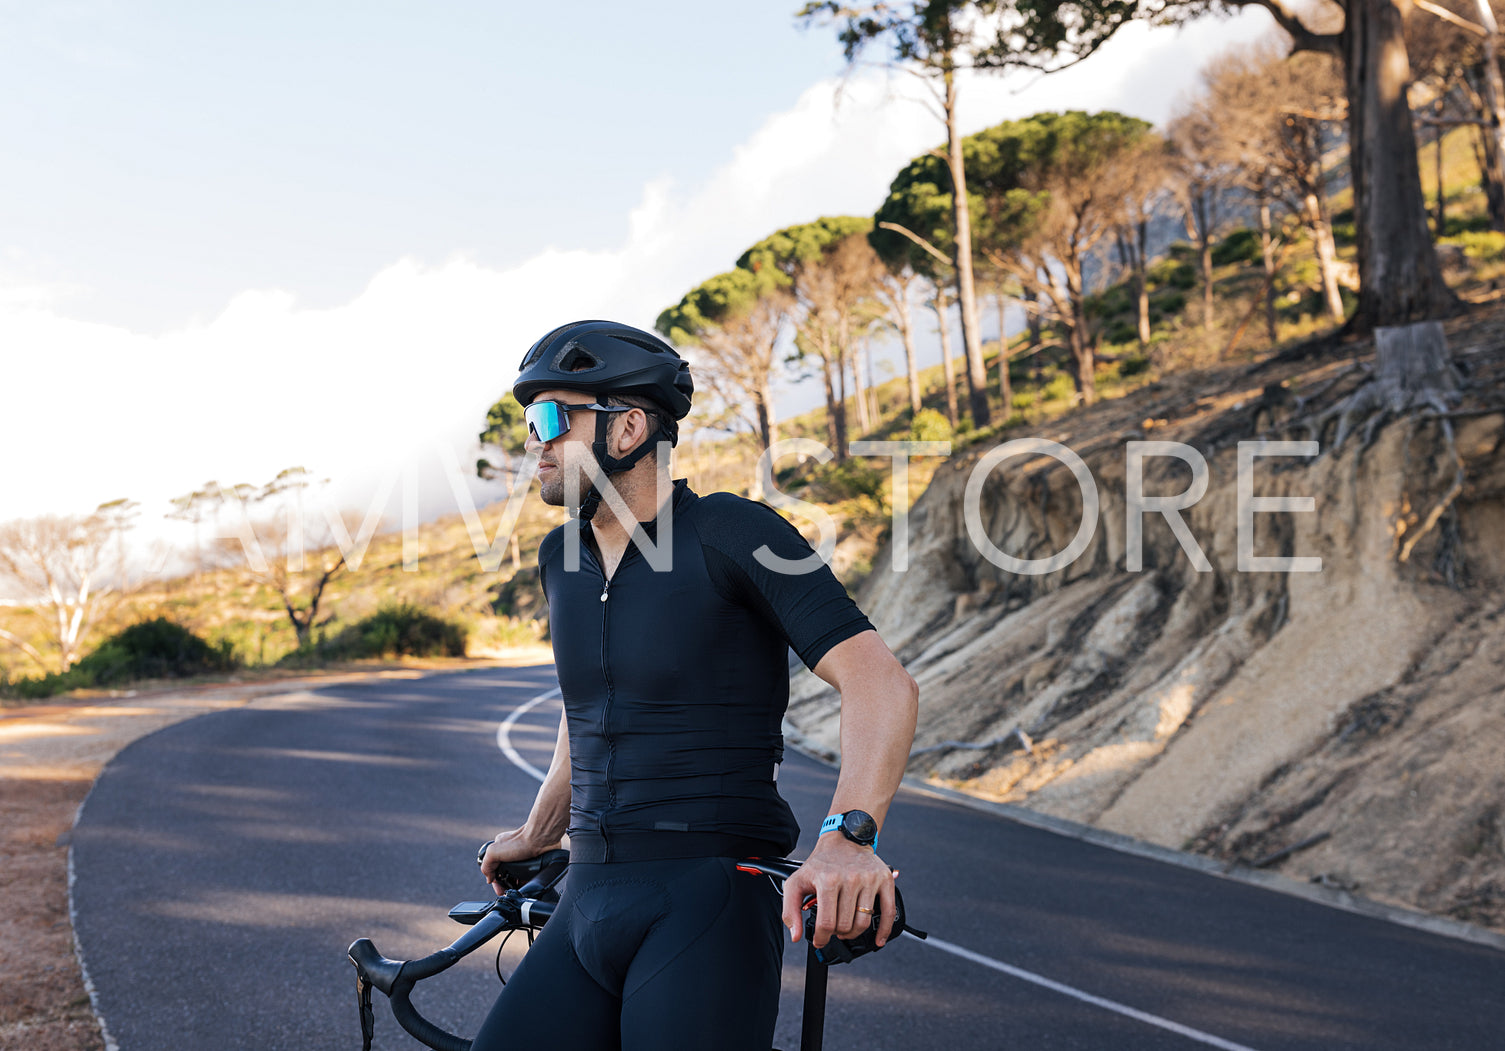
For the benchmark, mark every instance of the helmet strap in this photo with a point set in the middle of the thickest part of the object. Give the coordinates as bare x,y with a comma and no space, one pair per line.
590,502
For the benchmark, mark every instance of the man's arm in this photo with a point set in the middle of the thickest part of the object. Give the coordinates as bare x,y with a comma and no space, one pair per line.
879,703
547,821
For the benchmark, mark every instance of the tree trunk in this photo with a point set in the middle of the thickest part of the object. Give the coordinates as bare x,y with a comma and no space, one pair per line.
1141,280
1083,357
977,380
911,368
763,405
1410,359
941,309
1267,248
1399,280
1494,118
1487,156
831,406
1318,222
841,405
1439,108
861,386
1083,351
1203,209
1005,387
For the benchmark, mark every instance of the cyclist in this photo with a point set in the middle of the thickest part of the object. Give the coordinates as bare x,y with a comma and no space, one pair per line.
671,615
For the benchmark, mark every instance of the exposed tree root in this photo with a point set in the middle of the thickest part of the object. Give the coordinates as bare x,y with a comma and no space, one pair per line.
1459,476
1414,379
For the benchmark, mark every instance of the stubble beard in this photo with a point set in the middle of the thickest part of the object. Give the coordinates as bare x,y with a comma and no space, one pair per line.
553,489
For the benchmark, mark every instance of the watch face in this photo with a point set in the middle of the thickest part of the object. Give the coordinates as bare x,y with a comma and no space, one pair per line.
860,827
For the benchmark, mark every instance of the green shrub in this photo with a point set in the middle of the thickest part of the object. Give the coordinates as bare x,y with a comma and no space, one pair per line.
152,649
1133,365
850,479
398,630
520,595
1122,332
1241,246
1462,224
155,649
1482,246
1343,229
1061,388
1114,300
930,426
1170,273
1167,305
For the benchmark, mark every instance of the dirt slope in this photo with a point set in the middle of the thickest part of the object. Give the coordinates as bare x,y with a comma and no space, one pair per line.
1234,713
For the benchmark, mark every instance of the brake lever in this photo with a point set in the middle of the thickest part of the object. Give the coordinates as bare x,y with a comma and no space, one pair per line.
363,1002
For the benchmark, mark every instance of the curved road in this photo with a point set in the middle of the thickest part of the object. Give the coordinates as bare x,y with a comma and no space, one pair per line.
224,864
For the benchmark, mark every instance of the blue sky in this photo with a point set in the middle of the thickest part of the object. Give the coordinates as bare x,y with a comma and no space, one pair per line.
237,237
178,153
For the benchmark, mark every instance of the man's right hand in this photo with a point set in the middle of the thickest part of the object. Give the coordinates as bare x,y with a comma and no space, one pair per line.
514,845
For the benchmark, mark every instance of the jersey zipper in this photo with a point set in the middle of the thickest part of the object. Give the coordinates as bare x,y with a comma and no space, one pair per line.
611,742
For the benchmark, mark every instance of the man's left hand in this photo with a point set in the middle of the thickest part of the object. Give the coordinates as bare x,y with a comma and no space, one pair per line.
850,883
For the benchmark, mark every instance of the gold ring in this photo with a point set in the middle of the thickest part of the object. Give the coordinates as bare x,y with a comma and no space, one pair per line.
861,909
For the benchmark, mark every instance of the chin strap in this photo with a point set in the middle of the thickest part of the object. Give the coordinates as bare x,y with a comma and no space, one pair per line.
590,501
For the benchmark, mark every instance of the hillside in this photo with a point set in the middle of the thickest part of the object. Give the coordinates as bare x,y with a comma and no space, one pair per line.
1232,713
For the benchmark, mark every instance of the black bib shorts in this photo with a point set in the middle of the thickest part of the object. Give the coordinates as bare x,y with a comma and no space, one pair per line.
674,955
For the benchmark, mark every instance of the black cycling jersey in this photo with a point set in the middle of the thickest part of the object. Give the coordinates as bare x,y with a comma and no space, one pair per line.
675,679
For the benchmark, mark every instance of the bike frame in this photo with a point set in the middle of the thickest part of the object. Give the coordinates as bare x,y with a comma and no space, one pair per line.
527,907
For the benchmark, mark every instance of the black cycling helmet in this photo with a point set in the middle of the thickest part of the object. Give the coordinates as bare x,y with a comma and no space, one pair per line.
604,357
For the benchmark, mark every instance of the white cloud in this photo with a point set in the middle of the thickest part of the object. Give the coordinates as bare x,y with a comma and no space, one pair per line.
91,412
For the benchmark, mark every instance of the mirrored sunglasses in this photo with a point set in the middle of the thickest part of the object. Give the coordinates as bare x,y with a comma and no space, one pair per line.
547,420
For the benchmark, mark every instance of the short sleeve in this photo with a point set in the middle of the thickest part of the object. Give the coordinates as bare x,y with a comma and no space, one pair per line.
548,550
811,609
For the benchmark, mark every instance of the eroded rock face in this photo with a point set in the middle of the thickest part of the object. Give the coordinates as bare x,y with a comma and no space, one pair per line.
1230,712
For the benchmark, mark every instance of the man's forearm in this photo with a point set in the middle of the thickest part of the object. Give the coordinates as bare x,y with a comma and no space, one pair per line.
877,730
879,704
550,816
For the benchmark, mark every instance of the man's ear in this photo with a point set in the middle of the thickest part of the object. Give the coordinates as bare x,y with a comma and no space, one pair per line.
632,431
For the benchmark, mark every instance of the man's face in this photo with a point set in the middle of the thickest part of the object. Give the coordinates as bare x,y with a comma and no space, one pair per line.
570,453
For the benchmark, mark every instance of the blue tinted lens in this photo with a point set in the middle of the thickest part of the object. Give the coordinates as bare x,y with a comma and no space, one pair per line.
546,420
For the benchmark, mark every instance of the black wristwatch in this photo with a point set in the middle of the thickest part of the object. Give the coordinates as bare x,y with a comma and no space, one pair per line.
856,825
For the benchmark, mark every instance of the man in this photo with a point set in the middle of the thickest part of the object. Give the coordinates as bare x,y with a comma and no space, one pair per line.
671,616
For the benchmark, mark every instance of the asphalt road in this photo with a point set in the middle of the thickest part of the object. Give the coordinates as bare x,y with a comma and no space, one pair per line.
224,864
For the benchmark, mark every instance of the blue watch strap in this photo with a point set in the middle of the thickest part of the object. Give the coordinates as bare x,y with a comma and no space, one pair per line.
833,822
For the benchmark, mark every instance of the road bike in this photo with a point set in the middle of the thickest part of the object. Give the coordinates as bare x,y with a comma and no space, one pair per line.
527,905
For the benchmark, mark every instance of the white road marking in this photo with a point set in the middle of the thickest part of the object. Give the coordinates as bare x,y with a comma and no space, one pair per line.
504,742
1086,998
504,734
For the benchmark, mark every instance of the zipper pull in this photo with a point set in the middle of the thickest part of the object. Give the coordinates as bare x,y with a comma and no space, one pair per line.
604,589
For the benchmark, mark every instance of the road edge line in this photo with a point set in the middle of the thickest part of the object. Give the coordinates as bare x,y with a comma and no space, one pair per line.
504,733
78,945
1331,897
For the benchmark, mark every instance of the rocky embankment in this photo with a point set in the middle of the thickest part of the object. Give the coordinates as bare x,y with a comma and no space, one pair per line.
1356,713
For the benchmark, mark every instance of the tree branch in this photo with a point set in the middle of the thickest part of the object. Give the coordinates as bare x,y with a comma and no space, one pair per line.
1448,16
24,646
917,239
1302,38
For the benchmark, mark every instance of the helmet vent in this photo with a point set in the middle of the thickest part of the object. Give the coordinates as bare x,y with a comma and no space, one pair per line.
575,358
650,347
